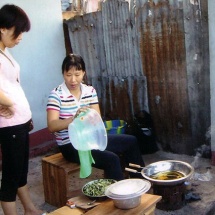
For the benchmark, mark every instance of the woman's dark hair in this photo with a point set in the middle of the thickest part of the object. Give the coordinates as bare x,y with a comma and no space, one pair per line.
13,16
73,61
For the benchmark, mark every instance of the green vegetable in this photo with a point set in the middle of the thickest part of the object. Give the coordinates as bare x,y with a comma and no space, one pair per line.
97,188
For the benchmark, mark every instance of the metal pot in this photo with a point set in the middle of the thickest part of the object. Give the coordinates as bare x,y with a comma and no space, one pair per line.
164,166
127,203
168,165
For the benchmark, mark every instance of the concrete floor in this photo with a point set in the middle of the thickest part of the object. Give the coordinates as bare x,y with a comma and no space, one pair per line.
205,189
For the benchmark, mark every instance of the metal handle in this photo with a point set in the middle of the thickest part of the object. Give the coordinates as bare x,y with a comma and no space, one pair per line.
131,170
134,165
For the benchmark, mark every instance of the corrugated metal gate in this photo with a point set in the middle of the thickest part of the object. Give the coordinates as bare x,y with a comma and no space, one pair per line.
150,55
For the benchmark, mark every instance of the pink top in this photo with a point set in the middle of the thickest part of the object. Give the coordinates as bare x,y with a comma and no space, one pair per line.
10,85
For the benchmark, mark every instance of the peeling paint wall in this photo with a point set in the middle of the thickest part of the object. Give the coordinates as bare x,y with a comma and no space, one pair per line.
153,56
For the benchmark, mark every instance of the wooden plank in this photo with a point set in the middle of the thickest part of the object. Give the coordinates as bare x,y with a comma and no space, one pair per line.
67,211
147,207
150,211
58,160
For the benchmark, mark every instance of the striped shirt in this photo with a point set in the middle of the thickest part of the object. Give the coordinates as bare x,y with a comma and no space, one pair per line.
61,100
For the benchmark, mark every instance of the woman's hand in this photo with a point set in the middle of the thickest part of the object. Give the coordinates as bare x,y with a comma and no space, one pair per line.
6,112
82,109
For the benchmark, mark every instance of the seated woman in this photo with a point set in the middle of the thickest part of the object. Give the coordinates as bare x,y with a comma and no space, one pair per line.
71,98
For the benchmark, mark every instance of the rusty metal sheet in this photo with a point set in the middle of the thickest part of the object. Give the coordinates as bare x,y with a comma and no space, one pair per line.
141,55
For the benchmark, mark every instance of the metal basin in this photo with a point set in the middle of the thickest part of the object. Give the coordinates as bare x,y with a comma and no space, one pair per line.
165,166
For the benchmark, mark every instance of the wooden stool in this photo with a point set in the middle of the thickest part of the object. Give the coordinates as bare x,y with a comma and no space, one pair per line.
55,171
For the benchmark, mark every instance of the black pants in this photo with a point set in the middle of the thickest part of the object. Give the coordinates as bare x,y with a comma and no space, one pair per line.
15,155
120,146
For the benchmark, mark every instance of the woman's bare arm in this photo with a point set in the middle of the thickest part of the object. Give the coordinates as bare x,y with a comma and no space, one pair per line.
6,106
96,107
56,124
4,100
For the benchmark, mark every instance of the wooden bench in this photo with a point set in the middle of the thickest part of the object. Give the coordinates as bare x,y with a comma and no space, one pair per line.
56,170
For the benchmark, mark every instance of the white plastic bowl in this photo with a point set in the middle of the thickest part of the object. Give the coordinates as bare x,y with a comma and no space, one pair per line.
125,198
87,131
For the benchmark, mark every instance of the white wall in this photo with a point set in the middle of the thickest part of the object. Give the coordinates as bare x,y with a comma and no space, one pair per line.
40,54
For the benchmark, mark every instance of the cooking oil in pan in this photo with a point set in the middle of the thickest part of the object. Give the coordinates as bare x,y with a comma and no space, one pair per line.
167,175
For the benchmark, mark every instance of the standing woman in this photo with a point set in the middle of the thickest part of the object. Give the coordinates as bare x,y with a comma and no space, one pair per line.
15,115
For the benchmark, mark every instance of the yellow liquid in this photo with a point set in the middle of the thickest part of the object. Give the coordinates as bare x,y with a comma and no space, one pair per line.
168,175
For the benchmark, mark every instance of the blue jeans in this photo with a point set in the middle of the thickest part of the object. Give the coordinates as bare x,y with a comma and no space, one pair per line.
121,150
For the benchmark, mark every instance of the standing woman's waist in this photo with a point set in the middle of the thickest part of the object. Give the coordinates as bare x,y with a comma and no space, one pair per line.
11,129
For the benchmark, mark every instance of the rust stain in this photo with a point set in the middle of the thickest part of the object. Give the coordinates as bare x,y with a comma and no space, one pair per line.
163,56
